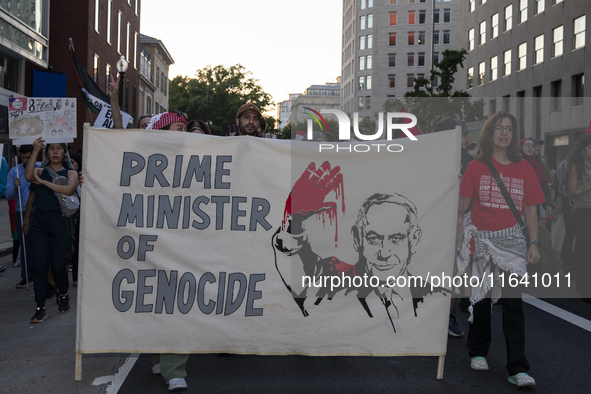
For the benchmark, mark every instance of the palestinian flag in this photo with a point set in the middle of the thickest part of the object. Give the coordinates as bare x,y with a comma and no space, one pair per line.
94,97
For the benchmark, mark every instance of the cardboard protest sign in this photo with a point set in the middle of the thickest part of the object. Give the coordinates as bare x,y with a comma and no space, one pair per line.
54,119
105,118
210,244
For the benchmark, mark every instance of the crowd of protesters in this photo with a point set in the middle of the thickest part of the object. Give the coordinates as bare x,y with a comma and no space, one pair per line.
489,238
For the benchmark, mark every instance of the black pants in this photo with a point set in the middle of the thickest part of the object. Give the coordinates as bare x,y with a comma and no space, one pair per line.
479,334
567,253
49,242
582,219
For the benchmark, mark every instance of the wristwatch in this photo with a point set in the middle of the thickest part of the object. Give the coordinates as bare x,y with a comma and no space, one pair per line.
534,242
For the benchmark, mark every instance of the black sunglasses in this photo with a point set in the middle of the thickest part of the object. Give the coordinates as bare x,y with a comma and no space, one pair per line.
179,113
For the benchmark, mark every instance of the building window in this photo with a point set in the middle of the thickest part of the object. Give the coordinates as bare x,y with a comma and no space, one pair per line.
127,38
557,39
522,10
470,77
107,76
368,82
109,17
470,40
136,7
436,37
367,102
422,17
436,81
446,37
579,32
435,58
369,41
393,18
471,6
368,62
421,38
361,83
362,22
362,4
392,39
494,26
361,63
482,39
410,80
557,95
411,17
410,60
392,60
391,81
554,2
360,103
494,65
481,70
507,63
508,18
411,38
119,16
435,16
96,68
447,15
421,59
135,39
393,2
539,49
361,43
522,52
97,12
579,88
539,6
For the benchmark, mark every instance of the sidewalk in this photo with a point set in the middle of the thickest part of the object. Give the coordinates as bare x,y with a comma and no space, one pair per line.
39,358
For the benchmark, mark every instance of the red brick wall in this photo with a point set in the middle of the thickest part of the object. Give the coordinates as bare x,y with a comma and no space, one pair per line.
75,19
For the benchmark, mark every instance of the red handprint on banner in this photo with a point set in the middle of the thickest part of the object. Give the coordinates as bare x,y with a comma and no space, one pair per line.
310,191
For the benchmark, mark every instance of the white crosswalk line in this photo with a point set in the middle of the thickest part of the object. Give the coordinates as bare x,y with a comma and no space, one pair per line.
558,312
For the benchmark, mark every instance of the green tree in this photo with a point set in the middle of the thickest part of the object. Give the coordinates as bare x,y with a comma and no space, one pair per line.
427,102
216,93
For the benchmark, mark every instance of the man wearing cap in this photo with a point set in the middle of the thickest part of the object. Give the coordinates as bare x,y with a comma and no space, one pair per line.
250,120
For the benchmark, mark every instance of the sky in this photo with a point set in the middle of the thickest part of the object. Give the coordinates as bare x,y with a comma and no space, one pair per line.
287,45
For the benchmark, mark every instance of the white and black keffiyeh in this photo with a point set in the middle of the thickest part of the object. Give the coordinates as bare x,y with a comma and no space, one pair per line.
504,250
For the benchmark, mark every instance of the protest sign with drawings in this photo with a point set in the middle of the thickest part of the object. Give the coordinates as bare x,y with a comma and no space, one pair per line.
53,119
206,249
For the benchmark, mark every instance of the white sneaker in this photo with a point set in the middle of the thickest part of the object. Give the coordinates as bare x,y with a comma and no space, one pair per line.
522,380
156,369
478,363
177,384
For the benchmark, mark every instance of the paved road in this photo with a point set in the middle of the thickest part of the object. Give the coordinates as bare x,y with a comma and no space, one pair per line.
40,359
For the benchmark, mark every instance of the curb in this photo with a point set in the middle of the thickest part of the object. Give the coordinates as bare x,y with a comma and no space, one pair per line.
5,249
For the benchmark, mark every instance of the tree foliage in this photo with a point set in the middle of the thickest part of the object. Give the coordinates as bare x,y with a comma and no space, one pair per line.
228,87
427,102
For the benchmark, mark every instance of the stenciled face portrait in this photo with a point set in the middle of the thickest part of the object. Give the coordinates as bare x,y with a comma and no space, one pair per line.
388,242
249,122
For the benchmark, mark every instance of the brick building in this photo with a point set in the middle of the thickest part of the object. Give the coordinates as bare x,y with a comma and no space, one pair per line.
102,31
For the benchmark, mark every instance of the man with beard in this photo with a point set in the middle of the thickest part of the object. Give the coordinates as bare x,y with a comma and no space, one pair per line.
250,121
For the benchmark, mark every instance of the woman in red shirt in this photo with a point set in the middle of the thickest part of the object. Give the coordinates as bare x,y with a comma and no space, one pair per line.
493,237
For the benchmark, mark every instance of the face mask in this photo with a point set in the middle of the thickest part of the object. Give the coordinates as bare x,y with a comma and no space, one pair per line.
472,152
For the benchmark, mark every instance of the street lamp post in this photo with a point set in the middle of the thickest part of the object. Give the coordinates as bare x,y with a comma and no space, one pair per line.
207,113
122,66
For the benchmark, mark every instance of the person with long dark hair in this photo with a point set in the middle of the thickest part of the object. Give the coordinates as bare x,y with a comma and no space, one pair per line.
492,242
578,168
49,231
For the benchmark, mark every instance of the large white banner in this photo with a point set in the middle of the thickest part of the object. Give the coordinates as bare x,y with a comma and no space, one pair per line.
190,243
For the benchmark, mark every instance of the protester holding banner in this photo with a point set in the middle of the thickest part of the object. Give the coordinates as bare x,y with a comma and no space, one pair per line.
494,238
579,189
198,126
250,121
16,181
171,366
49,231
